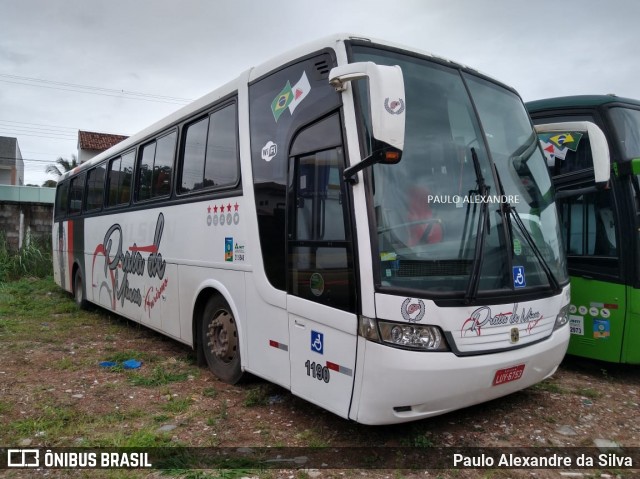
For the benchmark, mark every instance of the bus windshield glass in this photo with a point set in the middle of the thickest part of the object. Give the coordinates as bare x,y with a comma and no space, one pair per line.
470,157
627,126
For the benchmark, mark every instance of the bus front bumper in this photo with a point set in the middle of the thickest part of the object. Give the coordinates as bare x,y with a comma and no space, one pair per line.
394,385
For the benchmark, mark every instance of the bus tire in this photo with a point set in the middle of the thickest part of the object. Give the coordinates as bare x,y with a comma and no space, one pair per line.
78,291
220,341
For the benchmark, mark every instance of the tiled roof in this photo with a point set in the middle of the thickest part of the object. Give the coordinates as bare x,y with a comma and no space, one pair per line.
89,140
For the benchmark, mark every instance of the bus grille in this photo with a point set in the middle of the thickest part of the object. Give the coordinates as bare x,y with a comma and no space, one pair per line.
411,268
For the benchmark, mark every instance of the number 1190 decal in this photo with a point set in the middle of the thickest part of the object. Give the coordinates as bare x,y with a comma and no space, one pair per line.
318,371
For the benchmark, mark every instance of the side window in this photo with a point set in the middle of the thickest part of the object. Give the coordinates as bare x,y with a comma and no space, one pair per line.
566,151
210,156
120,174
145,171
76,193
95,188
62,199
221,168
589,225
193,156
156,167
572,158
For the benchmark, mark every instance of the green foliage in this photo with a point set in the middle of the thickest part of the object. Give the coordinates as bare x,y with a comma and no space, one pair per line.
177,405
139,438
158,377
34,259
257,396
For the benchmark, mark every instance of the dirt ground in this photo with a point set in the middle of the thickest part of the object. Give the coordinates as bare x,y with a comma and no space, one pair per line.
54,393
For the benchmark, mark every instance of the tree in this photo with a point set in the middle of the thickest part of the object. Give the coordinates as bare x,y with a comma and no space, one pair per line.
50,184
62,166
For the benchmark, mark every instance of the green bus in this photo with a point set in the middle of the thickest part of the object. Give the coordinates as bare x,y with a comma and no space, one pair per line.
601,223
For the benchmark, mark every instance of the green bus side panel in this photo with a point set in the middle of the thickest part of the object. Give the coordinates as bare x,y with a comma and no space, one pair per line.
597,319
631,341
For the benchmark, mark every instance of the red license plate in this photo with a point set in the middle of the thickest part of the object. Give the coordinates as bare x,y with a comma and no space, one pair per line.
509,374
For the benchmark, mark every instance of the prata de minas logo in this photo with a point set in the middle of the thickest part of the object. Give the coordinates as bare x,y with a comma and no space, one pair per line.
412,310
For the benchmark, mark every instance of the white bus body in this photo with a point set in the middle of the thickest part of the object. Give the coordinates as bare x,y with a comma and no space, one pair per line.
277,267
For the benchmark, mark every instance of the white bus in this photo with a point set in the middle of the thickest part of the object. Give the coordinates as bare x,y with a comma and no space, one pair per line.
344,221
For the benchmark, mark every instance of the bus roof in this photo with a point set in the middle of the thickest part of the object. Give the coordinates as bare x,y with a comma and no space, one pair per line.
577,101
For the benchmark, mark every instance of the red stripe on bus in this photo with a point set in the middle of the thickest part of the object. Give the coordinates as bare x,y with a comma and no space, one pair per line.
144,249
333,366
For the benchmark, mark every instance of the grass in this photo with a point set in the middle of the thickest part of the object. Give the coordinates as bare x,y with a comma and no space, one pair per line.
41,329
548,386
33,259
588,393
177,406
257,396
159,376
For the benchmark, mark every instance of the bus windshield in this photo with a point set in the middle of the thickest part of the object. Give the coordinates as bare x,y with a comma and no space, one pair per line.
442,215
627,127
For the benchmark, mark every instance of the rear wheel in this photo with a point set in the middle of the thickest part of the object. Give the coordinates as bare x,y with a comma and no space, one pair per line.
219,340
78,291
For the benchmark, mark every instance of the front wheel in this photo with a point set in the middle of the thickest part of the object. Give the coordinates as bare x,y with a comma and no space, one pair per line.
219,340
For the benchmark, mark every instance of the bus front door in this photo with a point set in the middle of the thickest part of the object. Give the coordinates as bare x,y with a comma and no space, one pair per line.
321,300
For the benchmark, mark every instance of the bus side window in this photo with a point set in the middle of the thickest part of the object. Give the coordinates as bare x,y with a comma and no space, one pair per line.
95,188
589,225
76,193
155,167
62,200
119,180
210,152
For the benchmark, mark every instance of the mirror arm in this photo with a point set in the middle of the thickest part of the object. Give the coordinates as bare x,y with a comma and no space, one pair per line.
349,175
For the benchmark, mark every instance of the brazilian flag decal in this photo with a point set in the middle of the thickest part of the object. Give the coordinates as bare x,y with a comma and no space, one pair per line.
568,139
282,101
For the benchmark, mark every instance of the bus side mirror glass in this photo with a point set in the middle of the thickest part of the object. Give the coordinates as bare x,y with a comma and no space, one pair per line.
387,104
553,134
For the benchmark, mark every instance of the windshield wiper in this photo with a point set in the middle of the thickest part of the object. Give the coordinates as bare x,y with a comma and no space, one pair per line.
483,189
521,156
553,282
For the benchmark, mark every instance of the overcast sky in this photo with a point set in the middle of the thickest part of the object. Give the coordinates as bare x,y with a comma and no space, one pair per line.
51,51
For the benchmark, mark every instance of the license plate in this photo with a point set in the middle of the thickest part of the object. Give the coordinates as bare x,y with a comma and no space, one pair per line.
509,374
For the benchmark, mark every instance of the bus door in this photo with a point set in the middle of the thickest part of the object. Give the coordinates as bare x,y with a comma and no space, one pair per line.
321,288
598,295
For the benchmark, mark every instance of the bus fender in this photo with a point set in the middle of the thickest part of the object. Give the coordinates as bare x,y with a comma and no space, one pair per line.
204,292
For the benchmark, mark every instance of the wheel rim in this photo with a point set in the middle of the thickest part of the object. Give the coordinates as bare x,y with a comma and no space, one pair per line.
222,337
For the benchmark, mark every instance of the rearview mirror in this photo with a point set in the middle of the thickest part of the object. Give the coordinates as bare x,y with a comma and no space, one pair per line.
387,104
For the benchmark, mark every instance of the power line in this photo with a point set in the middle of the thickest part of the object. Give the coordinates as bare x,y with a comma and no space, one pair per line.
39,124
37,129
75,88
40,136
29,159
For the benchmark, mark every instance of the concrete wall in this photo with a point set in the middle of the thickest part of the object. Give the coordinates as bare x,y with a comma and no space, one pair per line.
25,212
18,221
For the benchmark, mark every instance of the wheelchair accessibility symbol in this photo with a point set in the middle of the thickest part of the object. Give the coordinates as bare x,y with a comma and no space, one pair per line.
317,342
518,277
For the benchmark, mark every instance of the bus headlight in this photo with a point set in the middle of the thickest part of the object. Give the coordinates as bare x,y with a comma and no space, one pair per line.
562,318
409,336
